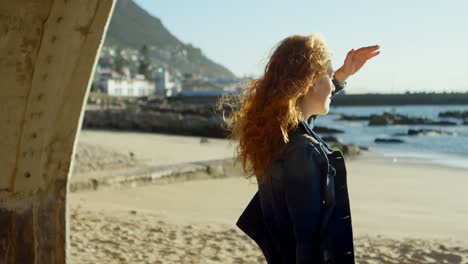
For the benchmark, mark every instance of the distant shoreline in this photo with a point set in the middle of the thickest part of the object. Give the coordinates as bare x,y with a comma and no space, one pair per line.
363,99
401,99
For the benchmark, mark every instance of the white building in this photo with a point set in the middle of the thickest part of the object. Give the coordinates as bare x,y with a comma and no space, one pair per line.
131,87
163,84
112,83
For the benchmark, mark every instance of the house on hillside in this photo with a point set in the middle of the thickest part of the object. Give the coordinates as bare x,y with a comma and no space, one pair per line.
164,85
114,84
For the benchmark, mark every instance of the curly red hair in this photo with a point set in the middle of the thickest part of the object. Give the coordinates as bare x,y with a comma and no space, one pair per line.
268,108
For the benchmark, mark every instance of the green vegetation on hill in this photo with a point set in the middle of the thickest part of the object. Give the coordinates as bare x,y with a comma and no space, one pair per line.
133,27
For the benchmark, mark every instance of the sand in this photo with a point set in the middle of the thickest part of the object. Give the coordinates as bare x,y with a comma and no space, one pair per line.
402,212
159,149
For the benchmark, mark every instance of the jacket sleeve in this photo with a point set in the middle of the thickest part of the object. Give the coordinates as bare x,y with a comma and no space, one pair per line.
302,182
338,87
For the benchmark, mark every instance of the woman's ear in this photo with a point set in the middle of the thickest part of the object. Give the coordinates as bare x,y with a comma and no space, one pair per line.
313,87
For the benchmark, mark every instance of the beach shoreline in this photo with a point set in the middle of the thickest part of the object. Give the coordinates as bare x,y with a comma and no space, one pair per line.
396,206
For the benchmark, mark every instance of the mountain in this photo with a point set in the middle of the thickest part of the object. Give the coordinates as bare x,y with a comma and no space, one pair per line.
132,27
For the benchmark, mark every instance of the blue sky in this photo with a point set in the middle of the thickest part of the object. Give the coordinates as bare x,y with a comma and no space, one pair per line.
424,44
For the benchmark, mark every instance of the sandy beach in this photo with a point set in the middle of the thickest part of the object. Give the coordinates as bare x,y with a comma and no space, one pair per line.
402,212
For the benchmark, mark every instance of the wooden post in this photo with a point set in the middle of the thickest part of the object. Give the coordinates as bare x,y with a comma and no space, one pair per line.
48,52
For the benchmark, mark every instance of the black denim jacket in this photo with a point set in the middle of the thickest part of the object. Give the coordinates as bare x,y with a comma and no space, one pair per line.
301,214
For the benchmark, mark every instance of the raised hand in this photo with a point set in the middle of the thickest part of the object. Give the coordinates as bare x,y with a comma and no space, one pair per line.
354,61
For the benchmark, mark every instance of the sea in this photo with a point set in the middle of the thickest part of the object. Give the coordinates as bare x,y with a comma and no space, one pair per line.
446,149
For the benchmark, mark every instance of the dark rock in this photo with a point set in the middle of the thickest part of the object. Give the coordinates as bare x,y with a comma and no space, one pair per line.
354,118
159,122
326,130
352,150
443,123
201,110
415,132
379,120
454,114
397,119
347,149
388,140
154,114
364,147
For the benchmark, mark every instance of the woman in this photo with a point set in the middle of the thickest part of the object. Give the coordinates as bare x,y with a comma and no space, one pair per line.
300,213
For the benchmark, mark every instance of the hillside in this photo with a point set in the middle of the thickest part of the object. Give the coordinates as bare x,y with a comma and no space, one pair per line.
132,27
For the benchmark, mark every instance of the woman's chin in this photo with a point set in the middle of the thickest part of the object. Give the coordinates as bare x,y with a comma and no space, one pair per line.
325,111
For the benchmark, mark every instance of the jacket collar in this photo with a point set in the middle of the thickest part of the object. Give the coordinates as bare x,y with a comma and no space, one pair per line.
309,125
311,121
